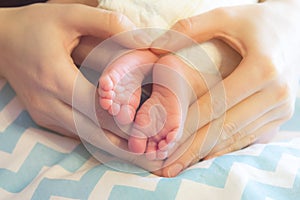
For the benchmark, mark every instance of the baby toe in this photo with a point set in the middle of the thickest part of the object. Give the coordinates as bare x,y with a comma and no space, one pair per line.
105,103
126,115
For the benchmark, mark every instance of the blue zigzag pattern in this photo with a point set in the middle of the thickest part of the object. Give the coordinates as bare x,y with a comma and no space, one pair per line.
70,189
11,135
6,95
266,161
251,191
39,157
42,156
216,176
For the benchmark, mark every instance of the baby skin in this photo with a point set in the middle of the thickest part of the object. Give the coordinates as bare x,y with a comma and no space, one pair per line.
120,84
158,123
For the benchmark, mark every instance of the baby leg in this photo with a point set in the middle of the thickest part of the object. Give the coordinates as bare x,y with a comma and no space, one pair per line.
120,84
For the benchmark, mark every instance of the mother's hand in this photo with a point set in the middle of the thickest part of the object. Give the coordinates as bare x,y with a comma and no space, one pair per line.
36,46
36,43
260,93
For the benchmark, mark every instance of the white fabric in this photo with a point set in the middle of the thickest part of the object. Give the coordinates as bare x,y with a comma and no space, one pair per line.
164,13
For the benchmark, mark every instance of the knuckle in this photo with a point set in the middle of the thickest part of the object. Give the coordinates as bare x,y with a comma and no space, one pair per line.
70,9
35,113
268,71
243,132
185,24
236,137
282,92
224,13
229,129
218,106
231,140
194,157
115,18
246,141
38,109
39,121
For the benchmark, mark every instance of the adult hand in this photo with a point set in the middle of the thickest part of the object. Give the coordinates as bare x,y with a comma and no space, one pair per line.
36,43
260,92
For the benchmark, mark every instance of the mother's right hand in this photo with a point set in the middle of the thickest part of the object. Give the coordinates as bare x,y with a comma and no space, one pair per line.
36,42
36,45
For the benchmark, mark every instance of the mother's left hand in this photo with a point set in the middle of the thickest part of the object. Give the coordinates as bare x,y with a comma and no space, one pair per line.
260,93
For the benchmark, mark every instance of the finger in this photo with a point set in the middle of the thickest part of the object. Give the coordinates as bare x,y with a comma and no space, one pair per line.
97,54
198,28
131,157
279,114
59,118
117,147
85,100
237,117
80,94
255,110
242,83
186,154
204,137
85,46
104,24
61,130
75,90
244,118
62,87
96,22
268,129
62,115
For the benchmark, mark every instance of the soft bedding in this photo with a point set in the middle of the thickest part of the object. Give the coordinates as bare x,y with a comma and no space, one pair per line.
39,164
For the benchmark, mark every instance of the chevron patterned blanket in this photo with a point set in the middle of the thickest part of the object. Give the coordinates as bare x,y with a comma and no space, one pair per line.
37,164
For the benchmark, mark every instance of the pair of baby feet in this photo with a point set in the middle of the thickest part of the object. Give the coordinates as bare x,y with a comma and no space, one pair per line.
158,123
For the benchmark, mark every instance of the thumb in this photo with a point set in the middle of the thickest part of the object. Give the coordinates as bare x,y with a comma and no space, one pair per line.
193,30
187,154
100,23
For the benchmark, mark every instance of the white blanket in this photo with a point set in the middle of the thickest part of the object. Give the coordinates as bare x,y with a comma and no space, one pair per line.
162,14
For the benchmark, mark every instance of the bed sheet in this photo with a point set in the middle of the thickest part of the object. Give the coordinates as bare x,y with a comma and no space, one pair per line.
38,164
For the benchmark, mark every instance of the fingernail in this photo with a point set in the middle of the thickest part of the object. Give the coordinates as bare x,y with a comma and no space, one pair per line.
174,170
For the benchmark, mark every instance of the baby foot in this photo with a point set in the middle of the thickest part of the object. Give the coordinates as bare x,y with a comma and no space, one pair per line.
159,121
120,84
157,124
